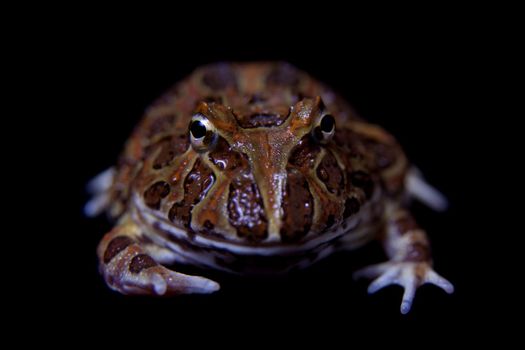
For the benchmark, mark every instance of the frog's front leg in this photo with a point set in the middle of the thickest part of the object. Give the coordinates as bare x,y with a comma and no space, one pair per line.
410,263
132,267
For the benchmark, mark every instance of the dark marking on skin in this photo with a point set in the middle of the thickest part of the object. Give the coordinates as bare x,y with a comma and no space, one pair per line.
342,137
330,174
116,245
384,154
211,99
141,262
196,185
154,194
298,207
364,181
349,142
283,75
227,159
209,230
405,224
219,77
160,124
261,114
260,110
257,119
246,210
257,98
165,155
417,252
377,155
322,174
180,143
304,153
352,206
170,147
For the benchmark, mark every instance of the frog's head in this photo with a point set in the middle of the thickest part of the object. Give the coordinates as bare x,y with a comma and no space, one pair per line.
264,177
258,168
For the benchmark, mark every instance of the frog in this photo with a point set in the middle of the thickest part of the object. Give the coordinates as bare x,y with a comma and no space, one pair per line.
258,168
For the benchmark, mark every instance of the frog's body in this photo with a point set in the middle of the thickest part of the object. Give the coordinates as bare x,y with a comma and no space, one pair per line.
241,168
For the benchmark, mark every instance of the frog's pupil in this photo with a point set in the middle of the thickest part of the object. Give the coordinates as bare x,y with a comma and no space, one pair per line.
198,130
327,123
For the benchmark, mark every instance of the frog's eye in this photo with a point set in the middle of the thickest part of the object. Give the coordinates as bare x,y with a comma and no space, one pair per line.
324,129
203,134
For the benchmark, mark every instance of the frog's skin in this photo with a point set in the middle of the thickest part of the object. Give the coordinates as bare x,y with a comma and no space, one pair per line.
271,186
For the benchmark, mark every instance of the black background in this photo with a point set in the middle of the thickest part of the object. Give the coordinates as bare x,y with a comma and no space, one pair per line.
419,84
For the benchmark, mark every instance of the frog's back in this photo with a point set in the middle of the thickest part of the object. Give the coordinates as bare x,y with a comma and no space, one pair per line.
250,89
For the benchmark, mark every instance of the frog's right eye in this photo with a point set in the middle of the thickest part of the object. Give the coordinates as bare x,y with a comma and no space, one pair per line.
324,129
203,134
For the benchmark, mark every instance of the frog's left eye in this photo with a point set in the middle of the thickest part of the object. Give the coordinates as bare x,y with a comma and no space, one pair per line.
203,134
324,129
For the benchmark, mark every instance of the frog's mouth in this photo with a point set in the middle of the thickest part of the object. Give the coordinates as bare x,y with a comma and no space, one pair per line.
356,231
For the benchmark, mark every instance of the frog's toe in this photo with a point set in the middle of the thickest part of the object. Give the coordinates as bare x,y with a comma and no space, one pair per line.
168,282
434,278
409,275
158,280
99,188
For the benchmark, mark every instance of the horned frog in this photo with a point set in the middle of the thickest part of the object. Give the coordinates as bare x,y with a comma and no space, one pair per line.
257,168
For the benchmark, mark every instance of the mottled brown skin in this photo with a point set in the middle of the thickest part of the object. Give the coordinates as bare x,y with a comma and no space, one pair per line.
267,178
115,246
264,120
297,207
141,262
246,211
254,99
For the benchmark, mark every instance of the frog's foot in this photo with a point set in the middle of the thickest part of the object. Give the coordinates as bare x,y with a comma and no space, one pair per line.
421,190
140,274
99,187
128,267
409,275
